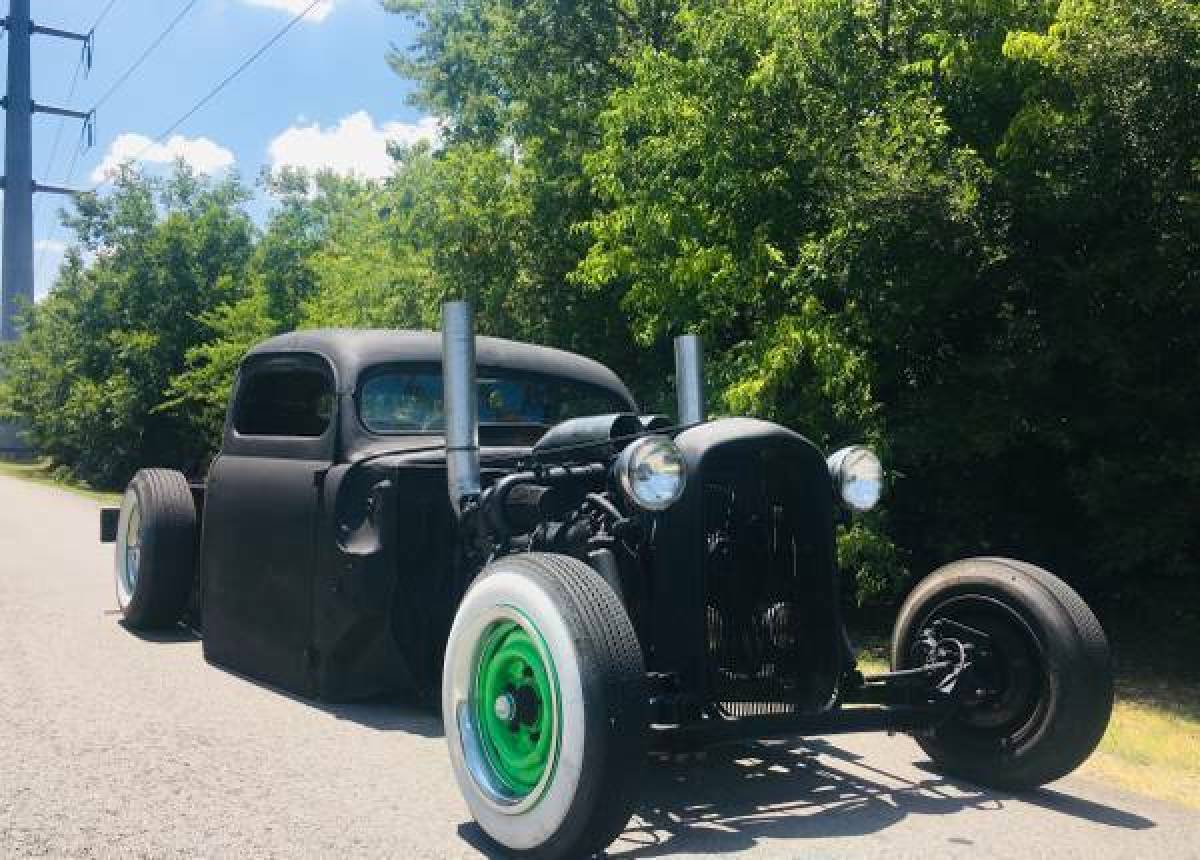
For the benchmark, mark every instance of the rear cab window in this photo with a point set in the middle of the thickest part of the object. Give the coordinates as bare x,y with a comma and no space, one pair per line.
286,400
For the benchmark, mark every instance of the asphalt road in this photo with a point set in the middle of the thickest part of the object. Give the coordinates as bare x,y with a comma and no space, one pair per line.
112,745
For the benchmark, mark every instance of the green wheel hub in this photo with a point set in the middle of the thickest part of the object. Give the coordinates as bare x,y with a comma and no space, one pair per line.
515,701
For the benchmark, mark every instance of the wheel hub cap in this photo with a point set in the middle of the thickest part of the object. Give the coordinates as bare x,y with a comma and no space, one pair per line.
513,695
131,552
505,707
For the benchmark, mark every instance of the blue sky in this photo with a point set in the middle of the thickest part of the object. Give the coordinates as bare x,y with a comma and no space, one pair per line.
324,95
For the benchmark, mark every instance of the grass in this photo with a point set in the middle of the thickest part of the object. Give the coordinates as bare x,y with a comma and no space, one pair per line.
1152,745
42,472
1153,742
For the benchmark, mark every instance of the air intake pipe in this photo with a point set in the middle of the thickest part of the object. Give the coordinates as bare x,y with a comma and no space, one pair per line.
461,404
689,378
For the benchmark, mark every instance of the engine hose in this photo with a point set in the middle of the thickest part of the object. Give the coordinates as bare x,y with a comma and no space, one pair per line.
605,505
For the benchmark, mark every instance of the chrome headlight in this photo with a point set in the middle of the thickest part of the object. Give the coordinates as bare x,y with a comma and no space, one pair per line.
652,473
857,477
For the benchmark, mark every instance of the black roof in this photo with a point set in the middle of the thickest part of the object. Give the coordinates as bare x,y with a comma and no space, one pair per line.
352,351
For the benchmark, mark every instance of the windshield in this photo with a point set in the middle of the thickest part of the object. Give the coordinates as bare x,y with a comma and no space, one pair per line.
409,400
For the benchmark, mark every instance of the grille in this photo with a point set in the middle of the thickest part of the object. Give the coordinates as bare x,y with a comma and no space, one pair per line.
763,581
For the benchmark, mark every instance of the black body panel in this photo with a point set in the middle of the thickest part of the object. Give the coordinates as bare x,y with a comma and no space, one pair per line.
393,568
387,578
257,567
259,533
331,564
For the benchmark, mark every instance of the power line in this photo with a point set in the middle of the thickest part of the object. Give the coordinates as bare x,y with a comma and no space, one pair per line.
75,159
228,79
158,40
80,146
62,121
103,13
208,97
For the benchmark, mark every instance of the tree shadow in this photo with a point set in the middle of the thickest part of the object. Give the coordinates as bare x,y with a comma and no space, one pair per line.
806,789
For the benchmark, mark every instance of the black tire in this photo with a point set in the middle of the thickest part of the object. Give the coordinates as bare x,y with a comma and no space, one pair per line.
1053,661
155,549
585,796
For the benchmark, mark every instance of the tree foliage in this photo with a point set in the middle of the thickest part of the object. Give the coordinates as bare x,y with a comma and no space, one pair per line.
965,232
89,376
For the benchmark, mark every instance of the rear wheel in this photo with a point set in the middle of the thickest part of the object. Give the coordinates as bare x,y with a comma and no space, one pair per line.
1042,683
544,704
155,549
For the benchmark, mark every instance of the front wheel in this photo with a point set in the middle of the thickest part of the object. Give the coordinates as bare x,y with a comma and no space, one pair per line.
1043,675
545,710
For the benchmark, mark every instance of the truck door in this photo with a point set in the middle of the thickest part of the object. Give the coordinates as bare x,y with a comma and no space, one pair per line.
260,520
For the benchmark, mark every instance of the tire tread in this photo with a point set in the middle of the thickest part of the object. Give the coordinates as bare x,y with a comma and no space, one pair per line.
167,570
1085,692
618,660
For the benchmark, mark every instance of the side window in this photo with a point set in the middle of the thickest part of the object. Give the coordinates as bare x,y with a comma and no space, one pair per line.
284,402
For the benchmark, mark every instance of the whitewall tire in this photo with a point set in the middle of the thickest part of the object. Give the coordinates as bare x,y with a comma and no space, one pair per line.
155,562
544,704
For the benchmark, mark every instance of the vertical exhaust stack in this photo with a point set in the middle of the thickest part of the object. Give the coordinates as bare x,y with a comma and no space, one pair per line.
689,378
461,403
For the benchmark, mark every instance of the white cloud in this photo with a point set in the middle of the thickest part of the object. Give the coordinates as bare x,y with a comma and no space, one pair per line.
47,255
356,145
202,154
50,246
319,13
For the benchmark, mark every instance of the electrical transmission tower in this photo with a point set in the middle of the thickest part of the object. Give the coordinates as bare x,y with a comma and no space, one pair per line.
16,277
18,183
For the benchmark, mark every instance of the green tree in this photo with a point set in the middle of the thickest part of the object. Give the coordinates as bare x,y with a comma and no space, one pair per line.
372,269
278,282
522,86
1101,171
99,353
964,233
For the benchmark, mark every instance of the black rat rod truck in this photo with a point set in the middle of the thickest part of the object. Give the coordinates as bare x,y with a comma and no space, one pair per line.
595,578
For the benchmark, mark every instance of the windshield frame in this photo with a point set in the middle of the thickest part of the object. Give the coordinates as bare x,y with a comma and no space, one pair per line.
435,368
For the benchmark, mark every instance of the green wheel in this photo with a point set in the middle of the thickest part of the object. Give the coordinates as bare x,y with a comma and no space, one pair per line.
545,708
516,706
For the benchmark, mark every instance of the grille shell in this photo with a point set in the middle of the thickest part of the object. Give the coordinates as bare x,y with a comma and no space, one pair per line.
770,598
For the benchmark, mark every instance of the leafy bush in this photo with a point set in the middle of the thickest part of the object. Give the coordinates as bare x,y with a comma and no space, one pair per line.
965,233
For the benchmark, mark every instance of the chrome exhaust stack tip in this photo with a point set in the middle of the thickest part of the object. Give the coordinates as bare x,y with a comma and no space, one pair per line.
461,404
689,378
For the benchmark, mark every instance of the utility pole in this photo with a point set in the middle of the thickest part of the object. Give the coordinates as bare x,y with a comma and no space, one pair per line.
16,286
19,185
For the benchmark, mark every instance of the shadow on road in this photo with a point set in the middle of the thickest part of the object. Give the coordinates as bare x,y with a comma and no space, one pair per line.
391,712
811,789
171,635
741,793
